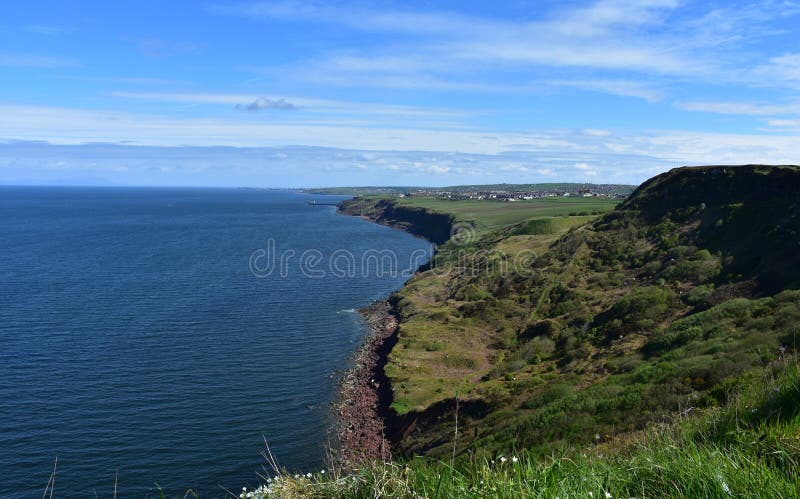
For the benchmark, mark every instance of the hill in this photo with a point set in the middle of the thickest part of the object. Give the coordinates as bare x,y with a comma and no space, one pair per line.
552,334
749,448
647,350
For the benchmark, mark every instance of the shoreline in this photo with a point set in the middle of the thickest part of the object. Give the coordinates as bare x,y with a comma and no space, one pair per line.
363,403
363,418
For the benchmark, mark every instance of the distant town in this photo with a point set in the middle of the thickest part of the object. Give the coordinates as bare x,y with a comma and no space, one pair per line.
494,192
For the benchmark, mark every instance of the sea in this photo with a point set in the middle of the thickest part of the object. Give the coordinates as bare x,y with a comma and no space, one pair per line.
159,338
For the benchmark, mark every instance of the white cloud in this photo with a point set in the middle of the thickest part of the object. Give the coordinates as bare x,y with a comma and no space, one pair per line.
364,19
614,87
741,108
785,68
586,168
545,149
605,35
438,169
345,110
75,126
36,61
49,30
160,48
595,132
605,16
784,123
666,39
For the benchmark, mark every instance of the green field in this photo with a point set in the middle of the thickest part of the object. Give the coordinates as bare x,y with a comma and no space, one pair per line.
495,214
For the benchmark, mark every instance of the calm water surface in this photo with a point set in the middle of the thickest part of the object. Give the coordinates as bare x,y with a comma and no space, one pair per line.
135,340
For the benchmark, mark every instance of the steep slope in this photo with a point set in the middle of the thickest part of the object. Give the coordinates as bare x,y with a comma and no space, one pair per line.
548,339
749,448
433,226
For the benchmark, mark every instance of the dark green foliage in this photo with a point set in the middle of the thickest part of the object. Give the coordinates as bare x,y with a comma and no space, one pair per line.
535,226
638,311
549,395
548,327
664,304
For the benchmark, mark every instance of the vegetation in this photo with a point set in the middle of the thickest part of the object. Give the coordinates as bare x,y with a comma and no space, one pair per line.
485,214
553,330
748,448
647,351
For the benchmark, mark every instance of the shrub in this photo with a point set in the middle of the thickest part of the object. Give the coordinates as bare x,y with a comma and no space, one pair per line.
434,347
638,310
547,327
699,294
472,293
549,395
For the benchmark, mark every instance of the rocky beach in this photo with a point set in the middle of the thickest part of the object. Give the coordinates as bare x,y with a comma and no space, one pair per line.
365,393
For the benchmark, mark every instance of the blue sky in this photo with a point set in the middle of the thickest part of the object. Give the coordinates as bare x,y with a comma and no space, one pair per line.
350,93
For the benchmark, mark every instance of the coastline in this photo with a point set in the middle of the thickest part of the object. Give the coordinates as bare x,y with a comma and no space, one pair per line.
362,406
363,428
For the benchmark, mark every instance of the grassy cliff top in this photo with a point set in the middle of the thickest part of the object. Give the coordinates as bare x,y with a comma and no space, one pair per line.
551,332
748,448
650,351
486,214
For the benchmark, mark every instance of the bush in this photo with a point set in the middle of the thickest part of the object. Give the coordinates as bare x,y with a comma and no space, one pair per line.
547,327
548,395
698,271
699,294
472,293
636,311
434,347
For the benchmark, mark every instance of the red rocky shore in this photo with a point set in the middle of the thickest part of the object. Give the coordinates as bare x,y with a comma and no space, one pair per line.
365,394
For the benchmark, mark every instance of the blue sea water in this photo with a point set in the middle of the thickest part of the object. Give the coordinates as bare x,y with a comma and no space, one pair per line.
136,341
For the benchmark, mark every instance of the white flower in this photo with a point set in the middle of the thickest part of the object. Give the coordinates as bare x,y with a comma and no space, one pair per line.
322,472
308,475
608,495
725,487
591,494
503,459
514,459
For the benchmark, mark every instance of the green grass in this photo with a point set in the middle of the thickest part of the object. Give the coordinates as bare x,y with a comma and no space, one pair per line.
636,311
487,214
621,320
749,448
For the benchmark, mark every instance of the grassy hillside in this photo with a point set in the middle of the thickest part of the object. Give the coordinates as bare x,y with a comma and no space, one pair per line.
439,215
748,448
487,215
648,351
551,334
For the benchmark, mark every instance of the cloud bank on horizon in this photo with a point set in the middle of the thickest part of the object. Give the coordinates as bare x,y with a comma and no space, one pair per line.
290,93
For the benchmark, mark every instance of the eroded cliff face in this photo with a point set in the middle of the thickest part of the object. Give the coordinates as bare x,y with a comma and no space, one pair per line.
434,227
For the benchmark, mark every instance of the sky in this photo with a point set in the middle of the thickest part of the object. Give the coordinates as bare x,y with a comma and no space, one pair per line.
304,94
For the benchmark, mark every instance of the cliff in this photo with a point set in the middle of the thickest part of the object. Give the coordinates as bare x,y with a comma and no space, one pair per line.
664,303
418,221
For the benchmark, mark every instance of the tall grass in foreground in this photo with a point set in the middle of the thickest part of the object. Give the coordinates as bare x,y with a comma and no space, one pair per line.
751,448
